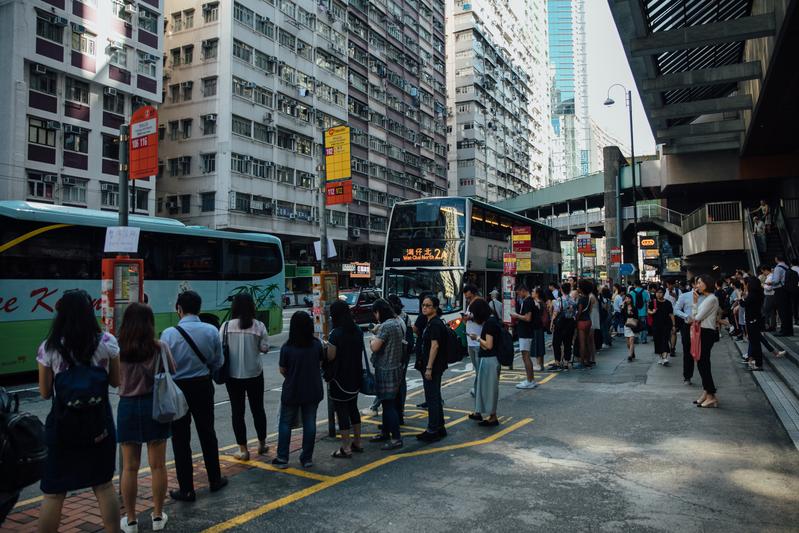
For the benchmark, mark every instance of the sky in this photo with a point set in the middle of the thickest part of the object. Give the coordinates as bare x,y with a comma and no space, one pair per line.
607,65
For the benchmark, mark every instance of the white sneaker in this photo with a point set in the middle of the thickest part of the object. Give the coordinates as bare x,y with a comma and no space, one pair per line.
527,385
370,412
159,523
128,528
536,368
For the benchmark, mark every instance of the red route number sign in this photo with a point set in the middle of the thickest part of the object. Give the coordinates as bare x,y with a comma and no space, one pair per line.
338,192
143,143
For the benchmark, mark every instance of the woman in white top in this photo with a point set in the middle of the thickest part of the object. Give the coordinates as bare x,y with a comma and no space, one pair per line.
245,338
706,314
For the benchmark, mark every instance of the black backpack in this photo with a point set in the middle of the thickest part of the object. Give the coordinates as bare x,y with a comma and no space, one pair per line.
81,407
504,349
455,348
639,298
22,445
791,280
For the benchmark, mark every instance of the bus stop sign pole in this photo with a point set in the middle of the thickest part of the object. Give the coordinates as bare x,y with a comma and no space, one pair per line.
123,175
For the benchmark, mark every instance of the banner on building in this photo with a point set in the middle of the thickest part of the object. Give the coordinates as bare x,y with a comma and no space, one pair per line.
143,143
357,270
338,169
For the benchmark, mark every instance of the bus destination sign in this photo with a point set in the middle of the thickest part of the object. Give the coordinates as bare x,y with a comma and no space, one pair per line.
424,254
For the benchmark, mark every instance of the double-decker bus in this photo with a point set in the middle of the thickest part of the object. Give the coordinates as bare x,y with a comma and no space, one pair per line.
46,250
435,245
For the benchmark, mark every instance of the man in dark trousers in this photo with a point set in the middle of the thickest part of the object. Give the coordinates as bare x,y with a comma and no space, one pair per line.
782,294
198,352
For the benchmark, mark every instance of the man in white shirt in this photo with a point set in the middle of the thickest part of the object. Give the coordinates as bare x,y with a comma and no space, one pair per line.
471,293
769,302
672,293
682,313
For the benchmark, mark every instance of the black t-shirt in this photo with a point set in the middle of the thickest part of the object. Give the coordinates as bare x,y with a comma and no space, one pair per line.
436,330
584,315
303,380
421,324
494,328
661,316
524,329
348,365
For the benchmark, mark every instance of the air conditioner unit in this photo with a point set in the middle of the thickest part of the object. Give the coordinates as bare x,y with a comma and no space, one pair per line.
77,28
210,118
270,163
300,46
110,91
187,84
107,187
268,117
293,216
53,125
60,21
257,205
40,69
356,232
248,85
247,158
131,8
171,205
68,181
69,128
50,178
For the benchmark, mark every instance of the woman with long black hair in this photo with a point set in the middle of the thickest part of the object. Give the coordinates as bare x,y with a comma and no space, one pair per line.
753,304
345,371
141,357
300,364
706,314
246,339
77,361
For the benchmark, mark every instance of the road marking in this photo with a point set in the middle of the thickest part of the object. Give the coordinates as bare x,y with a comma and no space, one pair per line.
265,466
319,487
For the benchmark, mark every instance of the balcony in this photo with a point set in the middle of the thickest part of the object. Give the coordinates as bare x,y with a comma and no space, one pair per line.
715,227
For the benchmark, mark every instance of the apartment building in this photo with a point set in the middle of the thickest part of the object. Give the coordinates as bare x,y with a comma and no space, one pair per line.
74,71
250,87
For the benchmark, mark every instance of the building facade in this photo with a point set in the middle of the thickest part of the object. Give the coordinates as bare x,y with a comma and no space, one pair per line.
250,89
570,122
600,138
75,71
498,99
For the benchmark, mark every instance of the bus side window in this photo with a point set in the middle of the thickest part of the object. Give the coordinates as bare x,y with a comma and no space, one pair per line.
193,258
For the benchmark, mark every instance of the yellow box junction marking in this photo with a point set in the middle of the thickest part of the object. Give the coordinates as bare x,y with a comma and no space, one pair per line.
319,487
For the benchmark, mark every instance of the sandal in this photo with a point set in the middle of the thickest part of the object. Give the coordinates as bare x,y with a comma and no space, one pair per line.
475,416
341,454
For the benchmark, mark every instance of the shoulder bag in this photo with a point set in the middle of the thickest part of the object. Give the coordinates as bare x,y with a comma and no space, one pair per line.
368,384
219,376
169,404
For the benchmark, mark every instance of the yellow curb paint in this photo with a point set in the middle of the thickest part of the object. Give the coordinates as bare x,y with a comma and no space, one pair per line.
265,466
319,487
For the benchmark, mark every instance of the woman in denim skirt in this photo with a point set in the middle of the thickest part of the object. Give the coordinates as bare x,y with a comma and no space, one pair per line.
140,360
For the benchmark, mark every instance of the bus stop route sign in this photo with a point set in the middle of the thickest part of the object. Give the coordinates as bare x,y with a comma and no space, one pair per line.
143,143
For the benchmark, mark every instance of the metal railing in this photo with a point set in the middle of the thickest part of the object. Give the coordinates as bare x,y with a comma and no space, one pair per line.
750,243
575,220
785,234
712,213
654,211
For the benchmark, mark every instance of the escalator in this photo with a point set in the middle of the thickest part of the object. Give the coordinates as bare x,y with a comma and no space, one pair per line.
778,242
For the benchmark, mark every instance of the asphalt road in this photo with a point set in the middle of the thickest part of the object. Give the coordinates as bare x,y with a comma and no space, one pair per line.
616,448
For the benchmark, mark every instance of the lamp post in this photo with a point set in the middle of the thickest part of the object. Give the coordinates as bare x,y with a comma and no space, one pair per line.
629,102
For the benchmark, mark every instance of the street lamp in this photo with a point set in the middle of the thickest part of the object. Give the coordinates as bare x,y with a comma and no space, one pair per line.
629,102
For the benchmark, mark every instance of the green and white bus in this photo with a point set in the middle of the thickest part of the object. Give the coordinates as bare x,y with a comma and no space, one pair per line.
438,244
46,250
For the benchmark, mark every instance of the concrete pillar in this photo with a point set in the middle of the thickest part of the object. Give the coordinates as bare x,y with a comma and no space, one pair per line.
613,231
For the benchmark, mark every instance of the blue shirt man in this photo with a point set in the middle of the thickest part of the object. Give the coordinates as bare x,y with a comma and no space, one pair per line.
205,336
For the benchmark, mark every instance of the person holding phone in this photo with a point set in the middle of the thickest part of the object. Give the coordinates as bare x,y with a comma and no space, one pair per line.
706,313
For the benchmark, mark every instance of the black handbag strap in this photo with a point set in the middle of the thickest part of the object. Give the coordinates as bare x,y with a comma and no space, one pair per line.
366,361
192,344
225,345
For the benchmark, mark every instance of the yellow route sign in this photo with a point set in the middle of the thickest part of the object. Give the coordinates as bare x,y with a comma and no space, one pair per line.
337,153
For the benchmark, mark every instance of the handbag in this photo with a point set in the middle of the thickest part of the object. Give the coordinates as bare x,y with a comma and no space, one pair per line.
696,340
368,384
634,324
169,404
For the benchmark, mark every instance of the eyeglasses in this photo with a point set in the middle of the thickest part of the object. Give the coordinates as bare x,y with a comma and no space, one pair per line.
427,305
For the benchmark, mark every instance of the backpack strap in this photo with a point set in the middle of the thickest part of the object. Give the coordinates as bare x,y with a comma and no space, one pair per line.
192,344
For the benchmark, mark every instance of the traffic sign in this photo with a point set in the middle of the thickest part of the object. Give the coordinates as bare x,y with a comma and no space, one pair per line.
143,143
627,269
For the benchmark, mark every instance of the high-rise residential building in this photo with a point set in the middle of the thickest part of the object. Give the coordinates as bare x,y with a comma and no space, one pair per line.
251,86
397,112
570,122
600,138
74,71
498,97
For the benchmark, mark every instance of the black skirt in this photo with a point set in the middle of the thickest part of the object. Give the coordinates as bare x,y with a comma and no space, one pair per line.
73,469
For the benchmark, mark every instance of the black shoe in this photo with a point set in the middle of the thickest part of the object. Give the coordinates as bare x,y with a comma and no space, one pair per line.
426,436
442,432
422,405
475,416
379,438
180,496
219,485
487,423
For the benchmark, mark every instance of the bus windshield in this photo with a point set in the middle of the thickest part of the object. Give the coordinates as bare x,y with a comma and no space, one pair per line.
409,285
442,218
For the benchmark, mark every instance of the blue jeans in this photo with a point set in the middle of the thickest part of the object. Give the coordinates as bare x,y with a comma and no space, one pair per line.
287,414
642,334
435,407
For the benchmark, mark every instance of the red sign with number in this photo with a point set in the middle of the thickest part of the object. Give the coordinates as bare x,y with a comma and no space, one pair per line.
338,192
143,144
